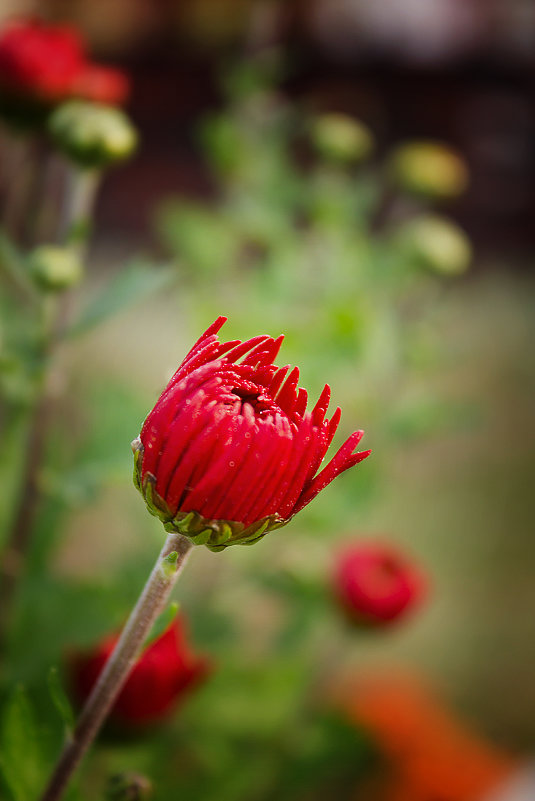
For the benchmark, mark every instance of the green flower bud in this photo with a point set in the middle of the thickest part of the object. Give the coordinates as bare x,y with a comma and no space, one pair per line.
437,244
55,268
128,787
430,169
92,135
340,138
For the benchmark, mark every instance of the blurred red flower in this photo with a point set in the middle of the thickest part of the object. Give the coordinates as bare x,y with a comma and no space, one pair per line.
49,64
230,440
376,584
165,673
40,60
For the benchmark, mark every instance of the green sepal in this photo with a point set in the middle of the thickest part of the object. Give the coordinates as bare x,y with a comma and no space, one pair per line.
202,538
215,534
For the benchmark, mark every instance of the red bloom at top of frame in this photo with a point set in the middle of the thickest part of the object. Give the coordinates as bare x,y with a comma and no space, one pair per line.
49,64
376,584
165,673
230,439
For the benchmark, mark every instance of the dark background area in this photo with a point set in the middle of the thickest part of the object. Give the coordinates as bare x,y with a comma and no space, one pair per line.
461,72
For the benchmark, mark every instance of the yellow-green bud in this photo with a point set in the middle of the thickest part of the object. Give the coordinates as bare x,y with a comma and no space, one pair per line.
428,168
128,786
437,244
55,268
340,138
91,134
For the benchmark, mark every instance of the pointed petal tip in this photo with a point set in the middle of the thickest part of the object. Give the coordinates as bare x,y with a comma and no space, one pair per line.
362,455
218,323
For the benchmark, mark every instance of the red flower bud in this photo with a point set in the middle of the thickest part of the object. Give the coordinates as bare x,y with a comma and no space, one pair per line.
230,451
165,673
47,64
375,584
40,61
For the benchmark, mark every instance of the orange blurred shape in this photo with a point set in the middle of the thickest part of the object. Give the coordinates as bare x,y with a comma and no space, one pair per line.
431,754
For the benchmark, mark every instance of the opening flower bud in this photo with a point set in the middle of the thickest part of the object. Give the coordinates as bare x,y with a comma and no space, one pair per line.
230,451
55,268
376,584
340,138
430,169
91,134
437,244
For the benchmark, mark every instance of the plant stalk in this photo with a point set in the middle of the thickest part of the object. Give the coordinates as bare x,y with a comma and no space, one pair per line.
150,603
12,562
73,224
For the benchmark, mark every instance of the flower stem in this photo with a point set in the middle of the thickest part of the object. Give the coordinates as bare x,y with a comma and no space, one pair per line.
150,603
12,561
73,225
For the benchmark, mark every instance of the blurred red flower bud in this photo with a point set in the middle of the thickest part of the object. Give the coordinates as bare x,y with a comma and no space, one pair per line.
165,673
40,60
48,64
230,451
375,584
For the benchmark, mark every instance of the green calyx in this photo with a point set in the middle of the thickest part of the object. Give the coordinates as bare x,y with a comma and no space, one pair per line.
91,134
215,534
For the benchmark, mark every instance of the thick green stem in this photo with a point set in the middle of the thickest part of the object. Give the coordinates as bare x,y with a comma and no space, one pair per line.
151,602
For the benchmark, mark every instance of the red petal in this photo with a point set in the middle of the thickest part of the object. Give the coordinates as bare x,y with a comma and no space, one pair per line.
286,396
277,380
301,402
281,438
320,409
341,461
244,347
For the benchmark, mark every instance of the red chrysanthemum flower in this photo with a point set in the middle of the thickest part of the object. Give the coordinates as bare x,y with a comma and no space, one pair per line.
164,674
230,450
376,584
47,64
39,60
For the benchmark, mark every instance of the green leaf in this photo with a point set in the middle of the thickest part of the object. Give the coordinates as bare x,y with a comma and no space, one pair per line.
21,760
60,700
130,286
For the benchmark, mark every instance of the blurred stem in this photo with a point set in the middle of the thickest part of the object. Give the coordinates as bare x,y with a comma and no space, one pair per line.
79,197
384,210
73,225
17,179
18,539
151,602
